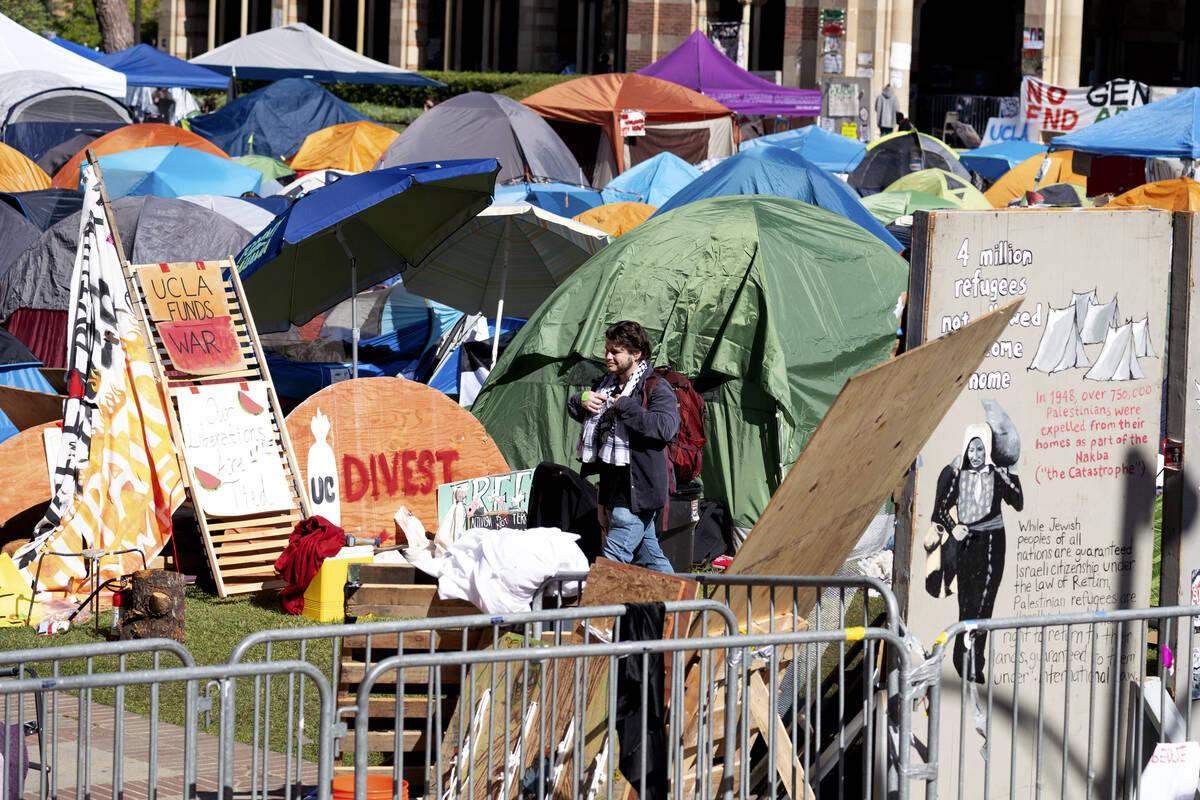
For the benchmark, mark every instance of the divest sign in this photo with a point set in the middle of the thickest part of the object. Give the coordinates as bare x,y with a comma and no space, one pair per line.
1035,495
1056,108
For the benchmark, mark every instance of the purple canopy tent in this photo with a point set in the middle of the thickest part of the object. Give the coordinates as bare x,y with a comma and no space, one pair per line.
699,65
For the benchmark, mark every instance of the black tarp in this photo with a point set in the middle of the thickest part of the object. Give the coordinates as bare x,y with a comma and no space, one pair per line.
45,207
16,233
892,157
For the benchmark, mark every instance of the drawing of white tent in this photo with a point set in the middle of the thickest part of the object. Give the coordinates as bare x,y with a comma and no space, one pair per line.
1117,361
1099,319
1141,339
1060,347
1081,301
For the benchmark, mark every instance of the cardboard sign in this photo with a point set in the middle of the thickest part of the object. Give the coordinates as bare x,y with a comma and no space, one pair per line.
1006,129
202,346
234,462
1056,108
1035,494
491,501
394,442
632,123
183,292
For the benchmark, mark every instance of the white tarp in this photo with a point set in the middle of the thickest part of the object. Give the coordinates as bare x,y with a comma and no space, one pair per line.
22,49
1060,347
1061,109
1099,320
1117,361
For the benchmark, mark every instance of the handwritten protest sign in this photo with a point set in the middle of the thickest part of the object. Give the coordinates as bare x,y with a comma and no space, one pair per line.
489,501
233,459
202,346
183,292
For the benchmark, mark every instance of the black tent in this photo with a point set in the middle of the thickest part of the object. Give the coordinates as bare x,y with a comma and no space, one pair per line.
889,159
45,207
16,233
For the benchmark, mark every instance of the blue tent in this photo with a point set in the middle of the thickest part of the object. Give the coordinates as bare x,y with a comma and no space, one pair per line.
174,172
273,120
77,49
652,182
830,151
994,160
1167,128
144,65
782,173
564,199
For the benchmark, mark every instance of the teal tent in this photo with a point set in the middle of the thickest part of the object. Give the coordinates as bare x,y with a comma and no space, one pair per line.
767,304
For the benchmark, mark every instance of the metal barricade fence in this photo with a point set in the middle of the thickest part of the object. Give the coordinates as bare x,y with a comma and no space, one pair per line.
542,721
427,710
102,657
176,750
1061,706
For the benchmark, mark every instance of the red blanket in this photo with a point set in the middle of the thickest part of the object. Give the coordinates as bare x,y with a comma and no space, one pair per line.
312,541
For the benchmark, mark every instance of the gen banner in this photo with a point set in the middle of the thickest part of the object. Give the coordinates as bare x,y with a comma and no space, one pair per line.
1035,495
1055,108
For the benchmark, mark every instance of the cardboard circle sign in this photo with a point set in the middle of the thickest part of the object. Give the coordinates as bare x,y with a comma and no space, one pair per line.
393,441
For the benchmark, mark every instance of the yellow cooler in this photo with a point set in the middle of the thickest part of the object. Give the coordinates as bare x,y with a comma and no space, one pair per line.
325,598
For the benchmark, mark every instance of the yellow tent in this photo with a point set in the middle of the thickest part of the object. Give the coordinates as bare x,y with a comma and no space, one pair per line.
616,218
943,184
1177,194
352,146
18,173
1020,178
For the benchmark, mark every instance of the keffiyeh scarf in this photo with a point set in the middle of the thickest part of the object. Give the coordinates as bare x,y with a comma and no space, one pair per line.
603,435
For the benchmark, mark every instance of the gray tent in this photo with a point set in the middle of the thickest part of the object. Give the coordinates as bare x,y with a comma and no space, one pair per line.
153,230
16,233
245,215
478,125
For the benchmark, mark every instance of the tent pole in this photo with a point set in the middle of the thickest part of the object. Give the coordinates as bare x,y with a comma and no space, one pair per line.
503,286
353,300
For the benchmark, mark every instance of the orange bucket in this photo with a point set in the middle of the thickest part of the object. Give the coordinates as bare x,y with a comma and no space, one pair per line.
379,787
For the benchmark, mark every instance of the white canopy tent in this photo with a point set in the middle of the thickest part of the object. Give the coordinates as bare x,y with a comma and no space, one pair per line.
22,49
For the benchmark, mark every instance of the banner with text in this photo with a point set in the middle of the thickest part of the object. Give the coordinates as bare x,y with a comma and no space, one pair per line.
1059,109
1036,493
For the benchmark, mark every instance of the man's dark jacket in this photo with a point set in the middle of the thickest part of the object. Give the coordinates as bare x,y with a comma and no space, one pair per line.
651,420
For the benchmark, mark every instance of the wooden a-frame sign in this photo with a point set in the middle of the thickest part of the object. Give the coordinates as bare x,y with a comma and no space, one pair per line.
241,550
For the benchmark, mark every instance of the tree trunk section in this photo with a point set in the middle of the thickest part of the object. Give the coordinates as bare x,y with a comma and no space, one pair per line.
116,29
152,606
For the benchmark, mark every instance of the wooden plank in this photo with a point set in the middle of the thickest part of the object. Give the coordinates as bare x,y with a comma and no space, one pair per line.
352,672
389,573
411,611
791,772
411,708
417,641
872,432
395,441
26,408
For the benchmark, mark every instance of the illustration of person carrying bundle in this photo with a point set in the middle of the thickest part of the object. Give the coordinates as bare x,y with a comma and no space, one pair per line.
965,544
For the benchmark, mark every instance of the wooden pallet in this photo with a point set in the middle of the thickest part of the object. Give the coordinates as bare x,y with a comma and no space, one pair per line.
415,715
241,550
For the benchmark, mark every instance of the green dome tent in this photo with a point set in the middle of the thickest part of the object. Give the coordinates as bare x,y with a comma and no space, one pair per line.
889,206
767,304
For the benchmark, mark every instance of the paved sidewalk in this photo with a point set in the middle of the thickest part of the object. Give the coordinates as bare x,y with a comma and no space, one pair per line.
68,769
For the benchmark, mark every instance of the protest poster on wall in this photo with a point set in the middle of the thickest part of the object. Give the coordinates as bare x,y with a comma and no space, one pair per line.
202,346
183,292
1047,107
489,501
1036,493
235,464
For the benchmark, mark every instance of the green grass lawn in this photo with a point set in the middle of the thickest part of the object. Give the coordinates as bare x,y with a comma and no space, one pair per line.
212,627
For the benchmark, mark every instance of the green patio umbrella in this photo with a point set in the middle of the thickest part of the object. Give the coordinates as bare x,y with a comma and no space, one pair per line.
271,168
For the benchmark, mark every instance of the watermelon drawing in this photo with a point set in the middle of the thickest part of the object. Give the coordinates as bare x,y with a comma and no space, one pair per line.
207,479
248,404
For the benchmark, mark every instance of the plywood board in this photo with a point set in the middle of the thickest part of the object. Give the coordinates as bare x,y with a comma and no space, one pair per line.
394,441
23,482
26,408
868,438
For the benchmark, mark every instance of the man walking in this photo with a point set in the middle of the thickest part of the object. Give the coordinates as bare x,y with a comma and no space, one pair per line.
628,419
887,106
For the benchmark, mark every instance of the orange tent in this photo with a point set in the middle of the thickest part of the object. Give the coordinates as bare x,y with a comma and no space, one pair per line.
687,123
616,218
133,137
1177,194
18,173
1022,177
352,146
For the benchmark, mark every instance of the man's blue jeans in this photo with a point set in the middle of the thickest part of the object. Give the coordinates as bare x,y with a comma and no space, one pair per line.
632,539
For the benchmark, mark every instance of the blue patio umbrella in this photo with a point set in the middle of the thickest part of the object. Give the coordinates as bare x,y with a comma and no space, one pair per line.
827,150
993,160
174,172
360,230
780,172
564,199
